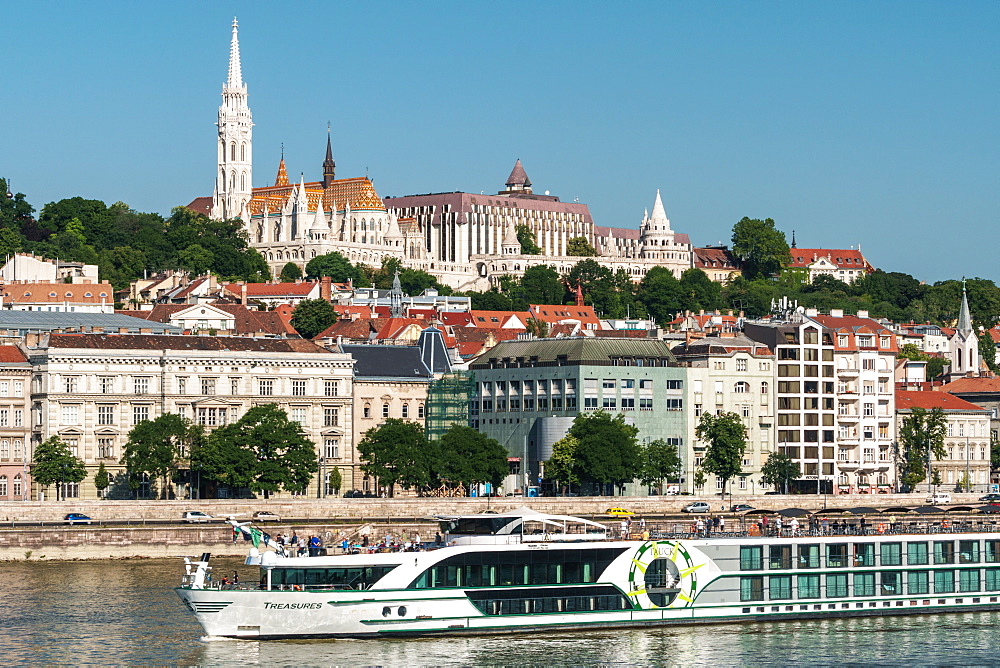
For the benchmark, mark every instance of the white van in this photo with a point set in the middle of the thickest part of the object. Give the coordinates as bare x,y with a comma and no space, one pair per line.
939,497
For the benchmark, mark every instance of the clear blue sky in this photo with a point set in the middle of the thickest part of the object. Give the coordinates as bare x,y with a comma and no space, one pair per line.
849,122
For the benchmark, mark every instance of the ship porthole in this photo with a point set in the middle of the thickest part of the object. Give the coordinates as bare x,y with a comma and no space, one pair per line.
661,579
402,611
386,611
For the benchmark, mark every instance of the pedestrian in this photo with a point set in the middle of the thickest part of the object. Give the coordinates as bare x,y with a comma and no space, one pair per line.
437,539
700,527
301,544
642,523
794,526
236,578
722,525
295,539
344,545
824,526
708,526
364,541
624,528
777,526
313,546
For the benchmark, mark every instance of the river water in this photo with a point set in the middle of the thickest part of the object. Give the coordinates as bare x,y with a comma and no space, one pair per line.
125,612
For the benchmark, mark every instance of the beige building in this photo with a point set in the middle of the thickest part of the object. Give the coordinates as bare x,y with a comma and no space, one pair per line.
15,406
90,390
729,374
967,438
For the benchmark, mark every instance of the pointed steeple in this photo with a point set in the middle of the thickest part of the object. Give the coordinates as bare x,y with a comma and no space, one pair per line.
282,178
659,215
964,316
518,179
794,245
510,245
396,298
329,166
235,79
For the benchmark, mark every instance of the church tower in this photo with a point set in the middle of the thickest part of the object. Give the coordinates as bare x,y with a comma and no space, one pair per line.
654,232
233,180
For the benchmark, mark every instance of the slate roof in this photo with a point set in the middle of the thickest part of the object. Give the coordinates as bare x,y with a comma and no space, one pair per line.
387,361
588,350
46,321
165,342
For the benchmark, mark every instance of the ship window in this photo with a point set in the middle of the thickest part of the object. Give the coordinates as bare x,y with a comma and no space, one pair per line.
890,583
809,584
780,587
836,585
992,579
864,554
836,556
357,577
968,551
917,582
992,551
944,582
916,554
780,557
751,559
556,600
809,556
892,554
944,552
968,580
752,588
864,584
662,575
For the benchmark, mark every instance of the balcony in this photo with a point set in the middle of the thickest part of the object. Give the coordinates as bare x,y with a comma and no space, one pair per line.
848,417
850,373
848,464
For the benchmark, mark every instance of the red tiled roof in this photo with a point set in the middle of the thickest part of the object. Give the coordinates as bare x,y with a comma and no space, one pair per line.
257,290
970,385
201,205
714,258
12,355
554,313
496,319
457,318
906,400
844,259
80,293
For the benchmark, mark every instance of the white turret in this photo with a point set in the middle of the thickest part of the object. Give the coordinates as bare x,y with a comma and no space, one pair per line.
234,177
654,231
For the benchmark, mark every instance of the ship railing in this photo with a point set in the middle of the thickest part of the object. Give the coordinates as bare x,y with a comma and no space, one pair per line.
873,528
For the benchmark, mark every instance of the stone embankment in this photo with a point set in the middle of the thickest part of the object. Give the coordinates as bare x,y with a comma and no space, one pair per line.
135,529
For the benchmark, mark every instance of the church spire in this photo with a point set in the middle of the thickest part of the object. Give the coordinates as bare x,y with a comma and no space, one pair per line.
329,166
235,73
396,298
964,316
659,214
282,178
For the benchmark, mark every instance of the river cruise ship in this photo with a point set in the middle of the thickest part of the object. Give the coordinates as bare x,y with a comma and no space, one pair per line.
523,571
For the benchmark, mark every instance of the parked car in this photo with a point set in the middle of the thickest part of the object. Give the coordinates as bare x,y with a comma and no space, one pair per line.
773,493
266,516
939,497
619,512
742,507
196,516
989,498
77,518
696,507
672,490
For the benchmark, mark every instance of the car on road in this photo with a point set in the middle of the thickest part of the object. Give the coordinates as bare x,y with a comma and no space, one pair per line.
196,516
77,518
773,493
696,507
742,507
266,516
990,498
939,497
619,512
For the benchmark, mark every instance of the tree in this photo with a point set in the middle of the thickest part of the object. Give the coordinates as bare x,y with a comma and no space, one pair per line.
491,300
697,291
272,447
778,470
660,292
526,238
760,247
660,460
195,259
55,463
312,316
334,480
102,480
726,438
988,350
540,284
154,447
15,212
338,268
607,451
290,273
580,247
921,439
561,467
537,328
467,456
397,453
597,284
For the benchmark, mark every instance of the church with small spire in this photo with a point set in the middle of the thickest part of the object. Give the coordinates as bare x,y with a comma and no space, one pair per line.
963,343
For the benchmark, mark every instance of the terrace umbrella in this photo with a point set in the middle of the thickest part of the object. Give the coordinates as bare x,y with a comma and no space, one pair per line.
793,512
989,508
960,509
862,510
764,511
927,510
898,510
830,511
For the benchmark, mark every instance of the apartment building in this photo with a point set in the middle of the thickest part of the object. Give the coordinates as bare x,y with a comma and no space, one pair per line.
15,406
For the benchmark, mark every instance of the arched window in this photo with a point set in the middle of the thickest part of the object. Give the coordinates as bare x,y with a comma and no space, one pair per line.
368,410
5,449
243,152
222,179
243,181
18,451
741,387
3,485
232,180
763,387
17,485
232,151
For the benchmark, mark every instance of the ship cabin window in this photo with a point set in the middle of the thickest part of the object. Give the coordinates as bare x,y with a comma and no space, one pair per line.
944,582
355,577
944,552
836,585
808,585
916,554
809,556
968,580
993,579
780,587
752,588
892,554
481,526
917,582
780,558
968,551
992,551
836,555
864,554
751,559
890,583
561,600
523,567
864,584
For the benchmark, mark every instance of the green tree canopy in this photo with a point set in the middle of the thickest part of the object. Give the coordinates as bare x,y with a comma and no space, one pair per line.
312,316
660,291
338,268
155,446
273,447
760,247
55,463
726,439
540,284
580,247
467,456
607,451
102,480
697,291
921,439
778,470
526,238
597,284
397,453
562,467
660,461
290,273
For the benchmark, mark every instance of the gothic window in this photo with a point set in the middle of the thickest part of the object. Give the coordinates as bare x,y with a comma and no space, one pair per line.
243,152
232,151
232,180
243,181
260,233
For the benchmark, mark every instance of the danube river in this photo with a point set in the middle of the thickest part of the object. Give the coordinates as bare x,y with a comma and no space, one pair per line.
124,612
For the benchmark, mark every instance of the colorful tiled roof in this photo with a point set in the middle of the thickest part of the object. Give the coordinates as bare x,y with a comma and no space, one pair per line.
358,192
844,259
907,400
80,293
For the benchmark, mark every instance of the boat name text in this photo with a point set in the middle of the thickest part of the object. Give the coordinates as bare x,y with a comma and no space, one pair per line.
292,606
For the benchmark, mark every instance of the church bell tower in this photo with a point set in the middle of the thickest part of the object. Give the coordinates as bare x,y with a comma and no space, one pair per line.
233,179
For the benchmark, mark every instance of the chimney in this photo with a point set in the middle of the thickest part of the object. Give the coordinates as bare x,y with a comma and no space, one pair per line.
243,293
837,312
862,314
123,330
325,288
812,312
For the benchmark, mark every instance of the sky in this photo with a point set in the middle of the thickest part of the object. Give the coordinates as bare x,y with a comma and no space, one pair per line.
851,123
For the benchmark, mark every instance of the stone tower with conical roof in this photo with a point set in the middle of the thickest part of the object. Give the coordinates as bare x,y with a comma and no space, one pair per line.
518,180
234,177
655,234
963,344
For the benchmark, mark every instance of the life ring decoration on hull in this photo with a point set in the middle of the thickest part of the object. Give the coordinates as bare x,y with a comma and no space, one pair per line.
662,574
